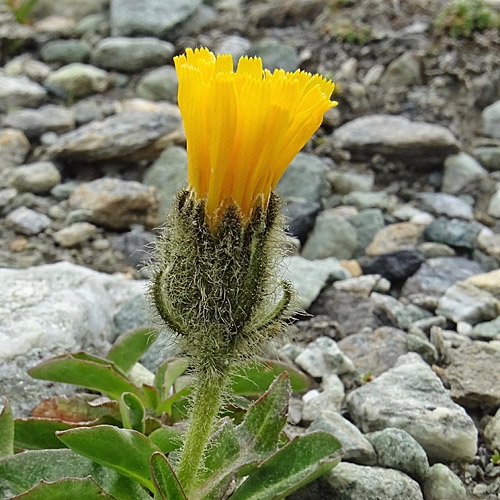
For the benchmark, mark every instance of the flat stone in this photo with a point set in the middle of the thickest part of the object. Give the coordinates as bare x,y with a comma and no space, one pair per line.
422,346
487,281
314,401
130,135
394,237
116,204
356,448
491,120
395,266
353,482
403,71
489,330
159,84
489,242
462,174
131,54
492,432
300,217
346,182
14,147
368,223
488,156
362,285
65,51
442,483
431,250
411,397
446,205
453,232
67,8
75,234
494,205
395,137
398,450
472,375
410,313
19,92
375,199
374,352
36,178
26,221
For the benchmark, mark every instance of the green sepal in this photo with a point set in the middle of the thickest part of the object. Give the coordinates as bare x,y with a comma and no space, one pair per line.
166,482
6,430
133,412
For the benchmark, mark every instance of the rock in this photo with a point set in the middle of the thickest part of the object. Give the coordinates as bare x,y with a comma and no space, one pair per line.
356,448
489,242
19,92
51,310
153,18
395,137
375,199
491,120
462,174
487,281
363,285
330,399
442,484
160,84
394,237
445,204
234,45
411,397
492,432
91,25
395,266
65,51
67,8
275,54
489,156
431,250
300,217
116,204
410,313
332,236
131,54
55,26
130,135
435,276
367,223
26,221
35,122
494,205
78,80
346,182
453,232
398,450
472,375
168,174
465,302
14,147
135,246
323,357
374,352
75,234
403,71
352,482
489,330
304,180
422,346
36,178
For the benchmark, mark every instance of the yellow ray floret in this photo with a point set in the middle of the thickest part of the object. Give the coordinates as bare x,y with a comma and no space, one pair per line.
244,127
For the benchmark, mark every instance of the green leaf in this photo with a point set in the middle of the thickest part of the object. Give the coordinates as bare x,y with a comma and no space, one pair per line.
129,347
167,438
168,373
165,480
19,473
66,489
298,463
132,412
266,417
166,406
6,430
254,378
123,450
152,398
87,371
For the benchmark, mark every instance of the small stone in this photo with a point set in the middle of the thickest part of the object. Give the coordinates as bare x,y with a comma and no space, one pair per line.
315,401
7,196
491,120
446,205
410,313
462,174
489,330
19,92
394,237
75,234
362,285
489,242
398,450
55,26
403,71
63,191
453,232
487,281
234,45
367,223
352,267
26,221
65,51
346,182
134,246
494,205
18,244
78,215
426,349
395,266
67,8
93,24
375,199
275,55
489,156
300,217
431,250
25,65
492,432
160,84
14,147
442,484
36,178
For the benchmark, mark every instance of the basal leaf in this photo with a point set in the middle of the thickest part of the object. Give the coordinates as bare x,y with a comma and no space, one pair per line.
167,374
132,412
152,398
129,347
166,406
6,430
165,480
299,462
167,438
123,450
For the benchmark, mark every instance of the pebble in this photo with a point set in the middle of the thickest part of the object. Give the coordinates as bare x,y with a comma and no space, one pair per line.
415,343
453,232
300,217
27,221
441,484
406,315
65,51
375,199
25,65
67,8
492,432
462,174
403,71
395,266
411,397
38,178
489,242
431,250
315,401
394,237
19,92
75,234
491,120
489,330
367,223
494,205
445,204
346,182
488,156
14,147
363,285
134,245
487,281
275,54
159,84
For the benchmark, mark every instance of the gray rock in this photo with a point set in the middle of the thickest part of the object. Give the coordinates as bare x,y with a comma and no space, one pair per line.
489,156
160,84
67,8
332,236
367,223
152,18
234,45
51,310
116,204
453,232
131,54
462,174
130,135
310,276
330,399
404,71
275,54
14,147
410,313
492,432
411,397
168,175
396,137
442,484
26,221
352,482
431,250
374,352
78,80
304,180
494,205
75,234
376,199
93,24
356,448
489,330
35,122
25,65
63,191
65,51
299,218
445,204
489,242
19,92
363,285
472,375
491,120
396,449
426,349
36,178
394,237
135,246
346,182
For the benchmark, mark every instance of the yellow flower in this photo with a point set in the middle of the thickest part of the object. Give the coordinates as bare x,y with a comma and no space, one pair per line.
244,127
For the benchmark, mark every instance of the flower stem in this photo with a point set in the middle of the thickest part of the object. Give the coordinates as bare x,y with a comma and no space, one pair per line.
205,409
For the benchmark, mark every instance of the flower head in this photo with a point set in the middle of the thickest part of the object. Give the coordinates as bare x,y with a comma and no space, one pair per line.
244,127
